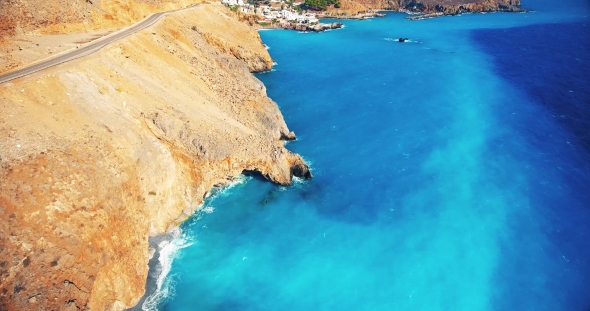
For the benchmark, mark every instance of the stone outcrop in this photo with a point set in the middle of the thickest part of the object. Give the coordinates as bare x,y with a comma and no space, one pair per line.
430,8
102,152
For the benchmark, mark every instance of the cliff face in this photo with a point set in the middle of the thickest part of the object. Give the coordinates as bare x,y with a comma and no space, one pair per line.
99,153
444,7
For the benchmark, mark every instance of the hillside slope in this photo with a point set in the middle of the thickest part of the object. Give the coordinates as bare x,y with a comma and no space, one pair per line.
443,7
99,153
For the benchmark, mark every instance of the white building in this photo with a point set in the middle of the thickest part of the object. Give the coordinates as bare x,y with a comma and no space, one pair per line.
272,15
233,2
288,15
311,18
300,18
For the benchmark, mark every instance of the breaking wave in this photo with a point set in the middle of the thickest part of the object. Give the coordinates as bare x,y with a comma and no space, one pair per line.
169,250
165,286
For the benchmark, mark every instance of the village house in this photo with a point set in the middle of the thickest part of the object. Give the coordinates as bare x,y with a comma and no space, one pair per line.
288,15
233,2
277,10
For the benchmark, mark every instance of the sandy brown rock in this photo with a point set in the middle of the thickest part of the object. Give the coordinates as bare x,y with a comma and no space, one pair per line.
442,7
100,153
63,16
34,30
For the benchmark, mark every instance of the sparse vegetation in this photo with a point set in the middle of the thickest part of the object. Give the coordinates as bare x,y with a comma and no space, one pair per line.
319,5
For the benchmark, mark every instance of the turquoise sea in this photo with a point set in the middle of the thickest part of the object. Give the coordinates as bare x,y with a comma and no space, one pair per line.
451,172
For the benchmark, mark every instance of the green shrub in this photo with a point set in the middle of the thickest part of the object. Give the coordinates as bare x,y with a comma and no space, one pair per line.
320,5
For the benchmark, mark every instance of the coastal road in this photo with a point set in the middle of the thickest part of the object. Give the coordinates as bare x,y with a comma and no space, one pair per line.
87,49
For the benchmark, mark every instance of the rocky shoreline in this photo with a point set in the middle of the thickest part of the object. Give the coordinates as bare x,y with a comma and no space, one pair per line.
156,244
462,10
311,28
420,9
359,16
320,27
101,153
98,154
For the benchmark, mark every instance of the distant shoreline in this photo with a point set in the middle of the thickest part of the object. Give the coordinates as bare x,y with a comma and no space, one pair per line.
320,27
425,13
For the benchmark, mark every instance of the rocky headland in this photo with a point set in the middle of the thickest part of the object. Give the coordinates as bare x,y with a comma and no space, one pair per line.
100,153
419,9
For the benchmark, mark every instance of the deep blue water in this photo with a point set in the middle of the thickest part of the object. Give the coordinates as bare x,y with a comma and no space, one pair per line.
450,173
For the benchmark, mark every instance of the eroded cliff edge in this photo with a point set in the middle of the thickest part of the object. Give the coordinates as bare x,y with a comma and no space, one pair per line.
99,153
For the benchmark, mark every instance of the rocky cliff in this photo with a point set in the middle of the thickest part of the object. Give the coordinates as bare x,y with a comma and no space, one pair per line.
102,152
441,7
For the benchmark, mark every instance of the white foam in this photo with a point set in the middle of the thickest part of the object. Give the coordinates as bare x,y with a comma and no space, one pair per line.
299,180
169,250
165,286
397,40
208,209
242,179
309,163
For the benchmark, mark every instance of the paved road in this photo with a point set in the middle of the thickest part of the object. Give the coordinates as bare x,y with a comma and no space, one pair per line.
85,50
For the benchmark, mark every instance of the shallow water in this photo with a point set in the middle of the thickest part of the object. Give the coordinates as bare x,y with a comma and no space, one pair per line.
450,173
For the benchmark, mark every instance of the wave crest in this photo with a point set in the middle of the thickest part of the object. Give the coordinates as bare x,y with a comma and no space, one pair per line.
164,285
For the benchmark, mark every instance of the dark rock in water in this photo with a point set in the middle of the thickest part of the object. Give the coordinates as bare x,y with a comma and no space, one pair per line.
300,169
270,197
288,137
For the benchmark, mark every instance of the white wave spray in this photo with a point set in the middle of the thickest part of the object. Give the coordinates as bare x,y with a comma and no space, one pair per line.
169,250
165,286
